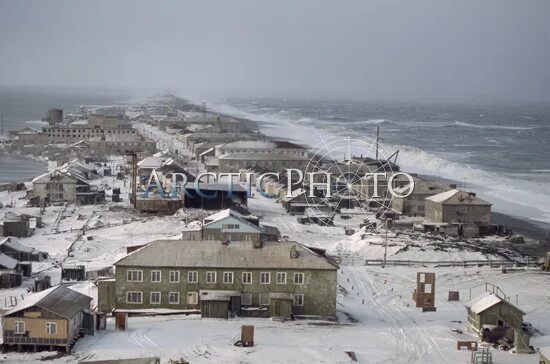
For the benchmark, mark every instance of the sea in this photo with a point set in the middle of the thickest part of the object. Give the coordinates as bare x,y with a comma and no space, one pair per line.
501,151
25,106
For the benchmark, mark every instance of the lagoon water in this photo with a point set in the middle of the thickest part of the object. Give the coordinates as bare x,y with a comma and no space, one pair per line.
19,169
24,106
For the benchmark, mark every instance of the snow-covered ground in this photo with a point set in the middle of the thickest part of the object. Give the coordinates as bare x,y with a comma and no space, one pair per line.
378,322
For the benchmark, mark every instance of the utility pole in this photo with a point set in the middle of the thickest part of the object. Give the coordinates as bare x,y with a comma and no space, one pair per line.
2,124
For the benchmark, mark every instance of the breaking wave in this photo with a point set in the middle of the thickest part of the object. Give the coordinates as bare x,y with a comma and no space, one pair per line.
510,194
469,125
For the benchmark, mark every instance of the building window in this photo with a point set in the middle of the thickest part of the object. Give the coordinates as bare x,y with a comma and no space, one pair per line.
247,278
19,327
192,298
210,277
298,278
51,328
264,299
298,299
265,278
173,298
281,278
174,276
134,276
156,276
228,277
192,277
154,298
134,297
246,299
231,226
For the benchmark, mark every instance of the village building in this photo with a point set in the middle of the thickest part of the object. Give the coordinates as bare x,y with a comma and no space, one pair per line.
53,318
230,225
459,209
262,147
59,186
215,196
107,134
15,225
277,279
415,203
234,162
490,309
21,252
493,318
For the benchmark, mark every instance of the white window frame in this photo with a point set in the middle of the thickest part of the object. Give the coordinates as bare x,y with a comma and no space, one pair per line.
18,325
296,275
279,275
265,274
246,301
160,276
298,302
177,272
210,274
129,293
169,298
49,326
151,298
245,280
195,298
130,274
228,274
193,274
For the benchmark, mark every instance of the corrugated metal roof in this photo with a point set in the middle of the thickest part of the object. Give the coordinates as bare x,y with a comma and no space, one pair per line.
60,300
212,254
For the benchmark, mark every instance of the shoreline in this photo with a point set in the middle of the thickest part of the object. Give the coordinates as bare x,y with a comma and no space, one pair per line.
531,229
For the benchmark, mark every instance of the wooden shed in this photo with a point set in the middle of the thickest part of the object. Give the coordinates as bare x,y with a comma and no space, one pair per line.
492,310
49,319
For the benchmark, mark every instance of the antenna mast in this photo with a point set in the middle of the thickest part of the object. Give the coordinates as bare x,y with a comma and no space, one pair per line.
377,139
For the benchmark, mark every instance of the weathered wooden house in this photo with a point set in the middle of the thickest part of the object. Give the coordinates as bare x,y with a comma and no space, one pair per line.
21,252
45,320
459,208
170,274
492,310
15,225
415,203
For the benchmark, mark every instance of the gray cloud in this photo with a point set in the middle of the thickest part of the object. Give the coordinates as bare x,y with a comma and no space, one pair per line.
381,49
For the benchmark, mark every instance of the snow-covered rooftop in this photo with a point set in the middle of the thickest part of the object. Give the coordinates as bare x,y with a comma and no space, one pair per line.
178,253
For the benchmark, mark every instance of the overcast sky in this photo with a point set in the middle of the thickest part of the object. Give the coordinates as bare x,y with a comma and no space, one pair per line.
389,49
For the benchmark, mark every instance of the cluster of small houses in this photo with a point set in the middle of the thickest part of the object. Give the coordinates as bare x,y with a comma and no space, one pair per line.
231,264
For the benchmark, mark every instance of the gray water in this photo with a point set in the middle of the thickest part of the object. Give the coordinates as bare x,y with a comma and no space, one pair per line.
501,151
19,169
